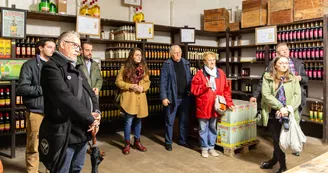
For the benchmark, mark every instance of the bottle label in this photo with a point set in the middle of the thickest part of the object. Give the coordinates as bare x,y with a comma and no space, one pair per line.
319,74
33,51
18,50
312,54
308,53
315,33
320,33
17,124
298,35
302,54
314,74
321,53
22,124
23,51
310,74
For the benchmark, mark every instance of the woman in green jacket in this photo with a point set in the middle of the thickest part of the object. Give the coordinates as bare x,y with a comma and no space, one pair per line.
280,88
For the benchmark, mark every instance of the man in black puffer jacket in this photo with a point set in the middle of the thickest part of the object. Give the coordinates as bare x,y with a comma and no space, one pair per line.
29,87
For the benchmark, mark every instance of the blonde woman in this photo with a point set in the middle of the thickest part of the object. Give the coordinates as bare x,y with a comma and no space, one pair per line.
206,85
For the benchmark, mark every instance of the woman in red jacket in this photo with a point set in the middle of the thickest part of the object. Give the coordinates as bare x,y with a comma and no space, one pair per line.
206,85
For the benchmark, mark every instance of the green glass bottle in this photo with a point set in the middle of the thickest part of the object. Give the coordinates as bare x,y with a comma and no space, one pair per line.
44,6
53,8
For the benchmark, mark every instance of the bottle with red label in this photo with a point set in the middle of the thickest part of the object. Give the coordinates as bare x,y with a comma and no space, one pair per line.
310,71
301,51
321,51
291,51
279,34
307,31
283,34
317,51
273,52
28,48
295,33
315,71
311,33
18,49
316,31
296,52
23,48
303,29
287,34
308,52
291,34
320,31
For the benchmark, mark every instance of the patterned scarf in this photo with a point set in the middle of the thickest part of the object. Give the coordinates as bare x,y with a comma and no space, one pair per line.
137,77
281,92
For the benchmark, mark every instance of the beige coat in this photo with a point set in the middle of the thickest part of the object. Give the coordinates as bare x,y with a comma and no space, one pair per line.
132,102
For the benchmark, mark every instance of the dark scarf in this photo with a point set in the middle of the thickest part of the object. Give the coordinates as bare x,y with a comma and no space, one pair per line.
138,76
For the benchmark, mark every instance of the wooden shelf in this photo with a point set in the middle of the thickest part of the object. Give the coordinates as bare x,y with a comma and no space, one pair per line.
301,22
6,133
242,62
5,83
303,41
114,59
312,61
242,31
243,46
109,48
106,41
157,43
206,47
51,16
42,36
5,109
305,118
310,99
20,108
20,133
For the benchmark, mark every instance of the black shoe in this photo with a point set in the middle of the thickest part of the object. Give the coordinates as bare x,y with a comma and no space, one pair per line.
282,169
267,164
168,147
296,154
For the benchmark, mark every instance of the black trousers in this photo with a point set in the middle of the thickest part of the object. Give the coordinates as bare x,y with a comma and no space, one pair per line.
274,127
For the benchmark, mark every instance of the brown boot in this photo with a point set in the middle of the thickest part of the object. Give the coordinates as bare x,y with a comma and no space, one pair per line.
126,149
137,145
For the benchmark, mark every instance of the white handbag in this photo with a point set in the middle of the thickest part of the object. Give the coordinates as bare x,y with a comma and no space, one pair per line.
220,105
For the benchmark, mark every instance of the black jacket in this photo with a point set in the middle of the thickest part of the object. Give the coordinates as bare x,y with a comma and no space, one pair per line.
29,84
60,84
299,69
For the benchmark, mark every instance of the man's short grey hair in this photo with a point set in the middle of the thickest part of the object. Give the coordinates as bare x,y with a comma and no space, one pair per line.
174,46
67,36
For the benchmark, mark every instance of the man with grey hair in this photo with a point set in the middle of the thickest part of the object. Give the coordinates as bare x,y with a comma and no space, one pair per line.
69,103
175,81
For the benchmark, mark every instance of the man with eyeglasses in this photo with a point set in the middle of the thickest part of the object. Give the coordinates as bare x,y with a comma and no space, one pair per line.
30,89
296,67
175,81
68,101
90,67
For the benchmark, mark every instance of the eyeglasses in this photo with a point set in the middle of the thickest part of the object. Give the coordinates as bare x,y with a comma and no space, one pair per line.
75,45
282,63
177,53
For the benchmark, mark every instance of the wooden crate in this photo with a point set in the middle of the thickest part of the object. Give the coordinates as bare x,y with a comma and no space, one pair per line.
234,26
216,19
254,13
280,11
309,9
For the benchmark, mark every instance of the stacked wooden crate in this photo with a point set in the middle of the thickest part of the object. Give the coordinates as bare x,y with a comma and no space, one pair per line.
254,13
309,9
216,19
280,11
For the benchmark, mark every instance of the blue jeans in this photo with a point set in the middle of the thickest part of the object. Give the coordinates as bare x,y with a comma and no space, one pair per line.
74,159
207,133
170,113
127,126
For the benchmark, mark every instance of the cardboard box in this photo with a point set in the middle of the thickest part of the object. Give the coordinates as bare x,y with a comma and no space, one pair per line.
309,9
280,11
254,13
62,6
243,113
216,20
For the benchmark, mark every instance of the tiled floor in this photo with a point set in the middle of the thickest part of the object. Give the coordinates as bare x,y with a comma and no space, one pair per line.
180,160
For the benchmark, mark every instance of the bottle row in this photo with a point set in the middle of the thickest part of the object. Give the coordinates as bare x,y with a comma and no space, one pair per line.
26,48
121,34
122,45
305,31
117,53
197,53
303,51
248,87
316,112
4,122
5,48
110,111
91,9
20,118
156,52
314,71
4,97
